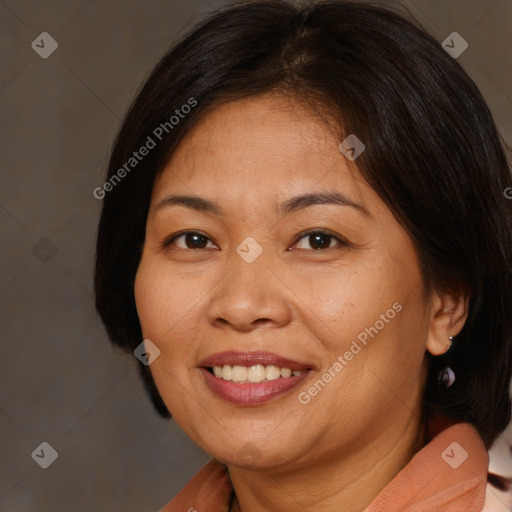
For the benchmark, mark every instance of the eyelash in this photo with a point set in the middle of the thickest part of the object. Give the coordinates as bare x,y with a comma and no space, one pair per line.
342,243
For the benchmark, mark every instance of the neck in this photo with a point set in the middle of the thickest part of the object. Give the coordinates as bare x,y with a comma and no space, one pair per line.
332,482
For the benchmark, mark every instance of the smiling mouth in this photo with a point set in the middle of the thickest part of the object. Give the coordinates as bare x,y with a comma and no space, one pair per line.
248,385
252,378
256,373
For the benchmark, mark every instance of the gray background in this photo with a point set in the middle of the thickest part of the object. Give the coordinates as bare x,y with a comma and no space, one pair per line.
61,382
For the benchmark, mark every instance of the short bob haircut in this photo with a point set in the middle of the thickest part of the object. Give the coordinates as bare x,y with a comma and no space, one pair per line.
433,155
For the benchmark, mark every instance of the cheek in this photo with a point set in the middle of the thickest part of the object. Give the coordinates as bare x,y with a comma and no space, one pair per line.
160,299
163,301
151,301
373,318
165,306
342,303
372,359
393,358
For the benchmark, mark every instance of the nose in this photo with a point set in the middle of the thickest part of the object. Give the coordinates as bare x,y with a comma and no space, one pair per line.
250,295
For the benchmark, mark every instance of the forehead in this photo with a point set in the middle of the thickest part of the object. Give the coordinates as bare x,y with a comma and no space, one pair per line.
259,146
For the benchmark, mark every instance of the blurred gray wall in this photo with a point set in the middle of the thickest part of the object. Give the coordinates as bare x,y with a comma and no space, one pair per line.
61,382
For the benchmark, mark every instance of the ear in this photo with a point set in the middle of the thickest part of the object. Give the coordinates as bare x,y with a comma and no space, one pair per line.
448,313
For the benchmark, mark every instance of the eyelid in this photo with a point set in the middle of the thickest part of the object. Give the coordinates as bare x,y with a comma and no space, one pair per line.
342,241
167,241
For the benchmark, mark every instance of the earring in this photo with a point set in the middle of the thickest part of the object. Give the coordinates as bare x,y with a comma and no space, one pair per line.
449,344
446,377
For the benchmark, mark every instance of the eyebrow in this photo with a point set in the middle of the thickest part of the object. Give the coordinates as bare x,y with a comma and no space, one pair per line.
290,205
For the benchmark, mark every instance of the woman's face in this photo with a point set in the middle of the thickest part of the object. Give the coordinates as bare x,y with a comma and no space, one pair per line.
249,285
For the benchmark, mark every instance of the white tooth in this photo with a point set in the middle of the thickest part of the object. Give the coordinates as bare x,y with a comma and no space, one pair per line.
256,373
239,373
227,372
272,372
285,372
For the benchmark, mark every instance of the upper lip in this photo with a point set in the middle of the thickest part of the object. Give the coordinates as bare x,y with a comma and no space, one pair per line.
250,359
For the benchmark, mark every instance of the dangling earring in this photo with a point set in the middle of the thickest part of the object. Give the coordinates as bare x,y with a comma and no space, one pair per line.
446,377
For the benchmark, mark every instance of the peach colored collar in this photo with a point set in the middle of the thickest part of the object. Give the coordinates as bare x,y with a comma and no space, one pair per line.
449,474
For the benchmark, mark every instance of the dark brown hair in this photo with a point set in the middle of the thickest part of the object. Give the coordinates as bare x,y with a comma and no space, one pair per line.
432,154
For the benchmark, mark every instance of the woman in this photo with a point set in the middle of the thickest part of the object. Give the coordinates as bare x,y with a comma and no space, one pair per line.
305,239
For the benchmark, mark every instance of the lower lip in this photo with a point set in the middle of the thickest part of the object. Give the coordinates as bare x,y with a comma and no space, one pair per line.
250,393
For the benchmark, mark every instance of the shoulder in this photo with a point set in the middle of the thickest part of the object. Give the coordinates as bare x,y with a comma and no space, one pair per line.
210,489
498,496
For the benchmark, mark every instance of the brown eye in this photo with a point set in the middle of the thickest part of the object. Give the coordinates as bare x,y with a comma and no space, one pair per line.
191,240
319,240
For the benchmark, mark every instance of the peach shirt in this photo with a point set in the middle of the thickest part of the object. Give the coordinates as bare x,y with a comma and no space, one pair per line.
449,474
